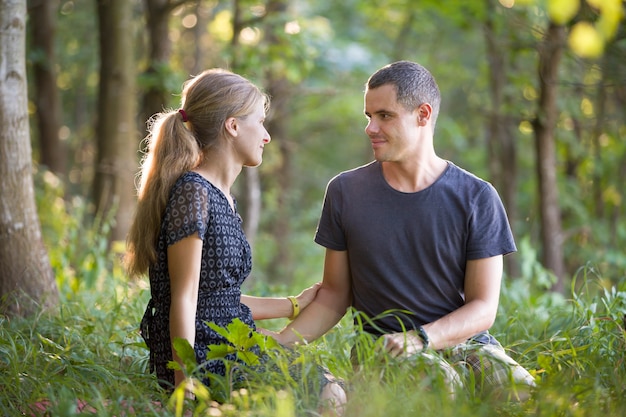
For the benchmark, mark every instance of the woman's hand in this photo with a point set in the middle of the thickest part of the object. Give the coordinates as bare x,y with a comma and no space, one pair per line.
308,295
278,307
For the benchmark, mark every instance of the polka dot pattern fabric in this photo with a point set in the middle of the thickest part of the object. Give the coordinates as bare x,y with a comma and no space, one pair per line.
197,207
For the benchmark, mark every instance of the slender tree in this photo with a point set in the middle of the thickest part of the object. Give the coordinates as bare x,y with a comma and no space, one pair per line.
251,180
501,147
282,90
42,15
116,133
544,124
156,93
26,278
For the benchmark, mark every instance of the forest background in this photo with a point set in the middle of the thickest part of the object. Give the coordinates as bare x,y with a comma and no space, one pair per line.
534,100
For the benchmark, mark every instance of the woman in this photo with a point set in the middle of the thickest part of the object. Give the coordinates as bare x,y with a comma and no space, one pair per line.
186,232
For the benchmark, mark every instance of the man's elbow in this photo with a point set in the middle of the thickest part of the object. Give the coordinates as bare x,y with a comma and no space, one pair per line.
489,313
334,300
489,322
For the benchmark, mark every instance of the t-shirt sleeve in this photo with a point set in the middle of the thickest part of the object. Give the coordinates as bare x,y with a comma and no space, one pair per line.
187,211
329,231
490,233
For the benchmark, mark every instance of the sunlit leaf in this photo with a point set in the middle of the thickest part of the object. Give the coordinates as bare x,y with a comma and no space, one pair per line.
585,40
221,26
241,339
596,3
610,17
185,352
219,351
248,357
562,11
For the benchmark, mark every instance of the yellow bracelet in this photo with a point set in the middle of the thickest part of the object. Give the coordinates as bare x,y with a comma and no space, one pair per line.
296,307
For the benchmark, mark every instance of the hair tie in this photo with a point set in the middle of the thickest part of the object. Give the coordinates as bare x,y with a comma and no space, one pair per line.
184,114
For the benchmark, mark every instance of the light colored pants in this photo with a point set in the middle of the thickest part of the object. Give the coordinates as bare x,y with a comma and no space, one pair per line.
481,369
490,369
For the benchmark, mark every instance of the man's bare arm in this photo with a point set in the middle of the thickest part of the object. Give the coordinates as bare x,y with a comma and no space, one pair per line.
483,278
328,307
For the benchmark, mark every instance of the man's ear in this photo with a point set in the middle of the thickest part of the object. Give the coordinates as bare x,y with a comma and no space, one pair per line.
424,111
231,126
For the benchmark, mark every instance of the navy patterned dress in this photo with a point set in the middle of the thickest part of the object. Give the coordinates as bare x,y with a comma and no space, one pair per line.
197,207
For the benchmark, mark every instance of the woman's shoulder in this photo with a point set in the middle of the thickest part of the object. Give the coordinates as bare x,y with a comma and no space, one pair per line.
192,180
192,177
191,186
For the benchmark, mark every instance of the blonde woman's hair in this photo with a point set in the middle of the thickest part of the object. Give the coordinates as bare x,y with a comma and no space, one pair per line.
174,147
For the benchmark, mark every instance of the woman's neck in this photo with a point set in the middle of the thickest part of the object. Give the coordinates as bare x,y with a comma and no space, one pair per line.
219,170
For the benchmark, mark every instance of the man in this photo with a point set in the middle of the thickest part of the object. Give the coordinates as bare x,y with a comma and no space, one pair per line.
412,233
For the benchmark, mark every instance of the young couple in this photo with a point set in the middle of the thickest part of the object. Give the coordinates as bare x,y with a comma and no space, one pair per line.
408,232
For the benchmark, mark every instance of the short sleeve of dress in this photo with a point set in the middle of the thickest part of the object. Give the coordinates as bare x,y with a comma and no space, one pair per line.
187,209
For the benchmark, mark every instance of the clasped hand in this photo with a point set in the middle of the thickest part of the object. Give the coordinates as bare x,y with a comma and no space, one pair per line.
403,344
304,299
308,295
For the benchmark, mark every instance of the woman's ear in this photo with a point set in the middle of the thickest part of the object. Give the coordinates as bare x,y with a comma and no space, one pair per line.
231,126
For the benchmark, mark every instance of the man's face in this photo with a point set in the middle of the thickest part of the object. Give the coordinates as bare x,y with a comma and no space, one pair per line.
392,129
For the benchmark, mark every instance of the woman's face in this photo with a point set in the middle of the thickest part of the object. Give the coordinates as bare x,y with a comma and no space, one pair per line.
251,136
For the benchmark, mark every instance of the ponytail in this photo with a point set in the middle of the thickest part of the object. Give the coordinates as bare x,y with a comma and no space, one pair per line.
172,149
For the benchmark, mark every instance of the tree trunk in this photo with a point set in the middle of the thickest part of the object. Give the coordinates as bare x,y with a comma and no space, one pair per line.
155,96
404,40
597,180
501,149
52,153
619,68
550,52
280,269
204,13
250,203
116,135
26,278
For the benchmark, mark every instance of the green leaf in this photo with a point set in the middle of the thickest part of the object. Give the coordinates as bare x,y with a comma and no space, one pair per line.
240,339
185,352
219,351
248,357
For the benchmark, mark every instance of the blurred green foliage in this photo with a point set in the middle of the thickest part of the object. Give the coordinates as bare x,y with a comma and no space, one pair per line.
326,51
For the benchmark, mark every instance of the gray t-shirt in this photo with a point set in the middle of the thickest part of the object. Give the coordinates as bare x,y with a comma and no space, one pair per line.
408,251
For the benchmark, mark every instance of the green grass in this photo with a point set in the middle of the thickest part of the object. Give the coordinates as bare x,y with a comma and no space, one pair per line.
89,349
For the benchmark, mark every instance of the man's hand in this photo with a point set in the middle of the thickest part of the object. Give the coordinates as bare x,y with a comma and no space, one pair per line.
402,344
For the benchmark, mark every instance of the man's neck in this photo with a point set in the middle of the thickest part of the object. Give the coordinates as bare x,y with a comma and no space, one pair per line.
414,176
